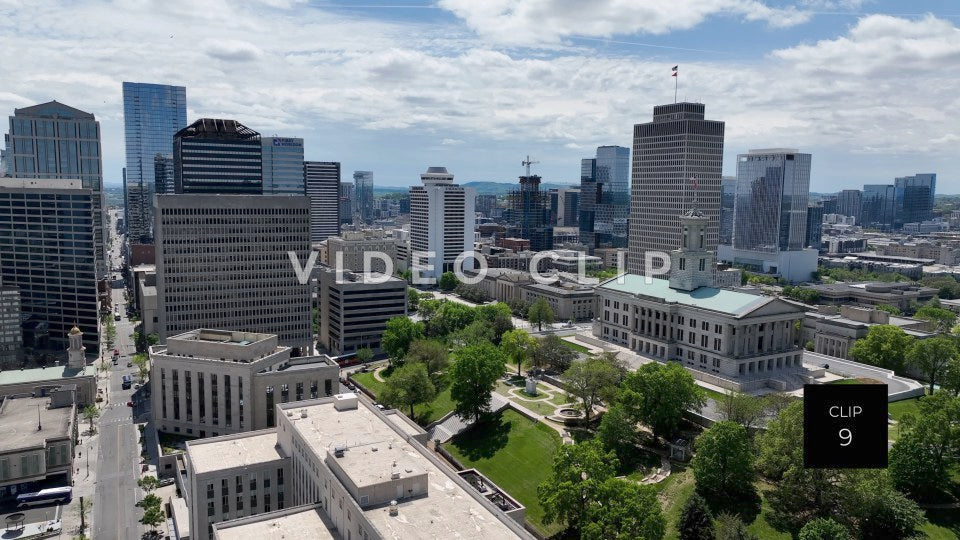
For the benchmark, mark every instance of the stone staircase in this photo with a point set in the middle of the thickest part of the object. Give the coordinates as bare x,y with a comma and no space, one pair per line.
453,425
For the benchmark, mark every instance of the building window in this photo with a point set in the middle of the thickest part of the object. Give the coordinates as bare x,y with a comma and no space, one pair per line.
210,510
683,263
703,263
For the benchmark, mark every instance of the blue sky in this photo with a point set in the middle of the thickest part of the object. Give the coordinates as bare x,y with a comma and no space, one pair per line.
394,86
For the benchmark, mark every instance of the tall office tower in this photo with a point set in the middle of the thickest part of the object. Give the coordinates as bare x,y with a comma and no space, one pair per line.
770,214
53,140
442,221
678,149
213,155
223,263
486,203
152,115
346,202
728,197
323,190
829,203
849,203
282,166
530,213
163,176
914,197
877,207
363,190
569,208
48,250
11,334
814,226
605,197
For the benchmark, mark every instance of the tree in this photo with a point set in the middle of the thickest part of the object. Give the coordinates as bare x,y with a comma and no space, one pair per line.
942,317
624,510
153,516
657,395
876,509
579,471
613,359
448,281
153,339
780,446
824,529
430,353
591,381
932,356
413,298
540,312
723,464
774,402
398,334
364,354
141,361
618,432
473,376
921,460
893,310
497,316
552,353
741,408
884,346
105,367
428,306
476,332
951,377
731,527
148,483
518,346
150,500
91,413
448,318
408,385
696,520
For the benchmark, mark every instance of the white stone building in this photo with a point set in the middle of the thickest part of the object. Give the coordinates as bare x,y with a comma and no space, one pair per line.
442,221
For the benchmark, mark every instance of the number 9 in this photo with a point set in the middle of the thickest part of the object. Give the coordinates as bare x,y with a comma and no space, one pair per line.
847,436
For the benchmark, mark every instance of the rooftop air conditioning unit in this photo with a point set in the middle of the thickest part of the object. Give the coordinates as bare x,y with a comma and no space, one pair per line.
394,510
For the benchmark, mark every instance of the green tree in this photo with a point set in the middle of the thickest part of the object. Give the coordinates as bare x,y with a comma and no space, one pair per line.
148,483
624,510
614,360
824,529
518,346
731,527
153,339
884,346
91,413
448,281
110,333
475,332
781,444
932,356
591,382
141,361
696,520
153,516
658,394
618,432
951,377
893,310
408,385
431,353
448,318
579,471
364,354
741,408
540,312
921,460
723,462
473,376
550,352
428,306
398,334
413,298
942,317
878,511
497,316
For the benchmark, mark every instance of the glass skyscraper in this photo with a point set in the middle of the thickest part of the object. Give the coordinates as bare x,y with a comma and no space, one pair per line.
770,213
605,197
53,140
363,190
877,206
283,166
152,114
214,155
914,197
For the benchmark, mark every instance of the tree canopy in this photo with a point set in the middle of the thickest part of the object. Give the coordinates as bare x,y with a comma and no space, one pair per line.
473,376
932,356
578,473
518,346
657,395
432,353
399,333
539,313
550,352
884,346
723,462
591,381
409,385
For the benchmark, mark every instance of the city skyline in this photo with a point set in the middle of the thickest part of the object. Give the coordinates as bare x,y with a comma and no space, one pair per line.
587,85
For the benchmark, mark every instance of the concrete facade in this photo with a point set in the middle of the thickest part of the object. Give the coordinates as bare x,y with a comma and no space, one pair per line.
29,455
354,308
352,245
442,221
834,331
899,295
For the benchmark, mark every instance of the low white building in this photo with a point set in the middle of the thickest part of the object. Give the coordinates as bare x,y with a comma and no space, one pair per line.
37,442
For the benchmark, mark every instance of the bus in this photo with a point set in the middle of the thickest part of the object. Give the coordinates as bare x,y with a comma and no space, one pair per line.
127,382
45,496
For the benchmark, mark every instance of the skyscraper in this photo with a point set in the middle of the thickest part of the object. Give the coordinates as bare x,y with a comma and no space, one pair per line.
11,333
569,208
849,203
223,263
152,115
605,197
282,166
914,197
530,214
814,226
442,221
323,189
877,206
770,214
346,202
53,140
47,249
679,152
363,191
213,155
728,197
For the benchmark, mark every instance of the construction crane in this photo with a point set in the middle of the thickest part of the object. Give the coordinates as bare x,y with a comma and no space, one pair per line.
527,163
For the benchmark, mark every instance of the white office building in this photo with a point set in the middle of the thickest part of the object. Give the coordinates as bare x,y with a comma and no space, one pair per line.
442,221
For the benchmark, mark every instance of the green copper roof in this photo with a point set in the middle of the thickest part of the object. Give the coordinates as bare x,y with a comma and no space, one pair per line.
731,302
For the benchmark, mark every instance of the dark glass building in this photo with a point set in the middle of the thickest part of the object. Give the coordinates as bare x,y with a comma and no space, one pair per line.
529,214
849,203
877,206
773,188
363,192
814,226
914,198
728,197
214,155
605,209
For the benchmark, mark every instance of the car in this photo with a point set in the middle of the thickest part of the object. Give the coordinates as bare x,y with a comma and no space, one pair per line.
129,404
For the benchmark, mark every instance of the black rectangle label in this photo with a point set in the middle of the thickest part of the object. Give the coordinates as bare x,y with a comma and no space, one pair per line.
845,426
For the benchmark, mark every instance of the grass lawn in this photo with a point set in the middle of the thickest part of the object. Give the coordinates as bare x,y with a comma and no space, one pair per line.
575,346
516,453
855,381
715,395
896,410
424,414
540,407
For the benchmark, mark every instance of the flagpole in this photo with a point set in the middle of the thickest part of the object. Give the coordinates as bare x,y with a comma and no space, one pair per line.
676,84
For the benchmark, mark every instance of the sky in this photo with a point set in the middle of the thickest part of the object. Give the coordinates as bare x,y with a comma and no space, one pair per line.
869,87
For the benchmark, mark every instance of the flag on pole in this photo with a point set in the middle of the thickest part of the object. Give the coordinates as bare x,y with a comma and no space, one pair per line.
674,70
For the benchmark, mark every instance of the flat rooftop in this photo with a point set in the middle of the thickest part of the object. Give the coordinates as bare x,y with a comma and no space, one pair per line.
447,511
306,523
20,376
708,298
18,423
222,336
231,451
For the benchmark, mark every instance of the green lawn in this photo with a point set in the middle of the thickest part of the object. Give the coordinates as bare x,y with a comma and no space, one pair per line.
540,407
423,414
715,395
575,346
516,453
855,381
896,410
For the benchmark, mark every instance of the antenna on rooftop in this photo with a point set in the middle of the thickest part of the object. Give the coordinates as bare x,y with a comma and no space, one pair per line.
527,163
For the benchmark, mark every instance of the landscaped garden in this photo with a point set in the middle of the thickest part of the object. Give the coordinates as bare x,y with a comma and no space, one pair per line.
425,413
515,453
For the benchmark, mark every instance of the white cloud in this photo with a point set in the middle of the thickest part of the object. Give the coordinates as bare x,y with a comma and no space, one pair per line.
451,142
533,22
231,50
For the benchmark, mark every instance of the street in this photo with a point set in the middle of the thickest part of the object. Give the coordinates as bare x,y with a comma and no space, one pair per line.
118,465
